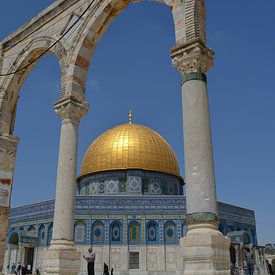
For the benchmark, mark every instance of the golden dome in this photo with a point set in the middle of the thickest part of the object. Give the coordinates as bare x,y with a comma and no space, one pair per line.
130,146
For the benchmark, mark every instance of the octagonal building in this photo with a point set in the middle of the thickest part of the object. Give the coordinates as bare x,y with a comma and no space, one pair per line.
130,207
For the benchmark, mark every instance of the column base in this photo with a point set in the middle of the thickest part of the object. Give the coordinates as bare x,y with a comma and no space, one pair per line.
61,259
205,251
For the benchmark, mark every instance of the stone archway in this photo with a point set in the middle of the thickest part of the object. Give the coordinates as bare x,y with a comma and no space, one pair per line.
90,19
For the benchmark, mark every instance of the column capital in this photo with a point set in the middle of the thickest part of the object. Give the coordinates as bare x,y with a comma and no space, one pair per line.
192,57
71,108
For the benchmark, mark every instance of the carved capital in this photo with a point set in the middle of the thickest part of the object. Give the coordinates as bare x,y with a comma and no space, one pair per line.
192,57
8,146
71,108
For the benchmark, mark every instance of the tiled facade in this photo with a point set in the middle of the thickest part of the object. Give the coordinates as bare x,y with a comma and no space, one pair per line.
158,219
147,227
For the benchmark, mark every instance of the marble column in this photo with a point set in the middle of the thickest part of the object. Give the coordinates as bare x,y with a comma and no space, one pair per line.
62,257
237,251
6,259
20,252
205,249
8,147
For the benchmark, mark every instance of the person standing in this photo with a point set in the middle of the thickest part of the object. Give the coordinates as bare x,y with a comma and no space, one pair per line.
106,269
90,258
18,269
250,262
24,270
29,269
13,268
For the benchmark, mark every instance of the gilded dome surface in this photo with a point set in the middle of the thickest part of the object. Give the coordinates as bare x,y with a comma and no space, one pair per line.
130,146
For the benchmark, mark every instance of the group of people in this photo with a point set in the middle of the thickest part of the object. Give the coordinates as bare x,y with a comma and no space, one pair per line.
20,269
90,258
248,265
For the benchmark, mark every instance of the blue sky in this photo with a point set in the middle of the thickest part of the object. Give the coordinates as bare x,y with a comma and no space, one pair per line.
131,68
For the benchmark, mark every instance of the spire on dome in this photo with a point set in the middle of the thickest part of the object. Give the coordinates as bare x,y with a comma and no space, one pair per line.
130,116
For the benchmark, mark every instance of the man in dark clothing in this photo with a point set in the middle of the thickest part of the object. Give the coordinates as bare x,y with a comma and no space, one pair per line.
106,269
269,267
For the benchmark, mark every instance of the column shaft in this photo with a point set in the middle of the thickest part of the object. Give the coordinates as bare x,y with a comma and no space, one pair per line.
8,146
205,250
7,258
65,185
199,166
62,257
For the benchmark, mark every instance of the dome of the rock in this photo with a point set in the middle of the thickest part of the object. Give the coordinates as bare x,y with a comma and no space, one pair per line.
130,146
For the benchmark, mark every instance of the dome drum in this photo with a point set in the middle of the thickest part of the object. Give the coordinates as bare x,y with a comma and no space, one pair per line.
129,182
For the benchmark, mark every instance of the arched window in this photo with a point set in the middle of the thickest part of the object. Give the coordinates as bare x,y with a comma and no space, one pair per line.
116,232
151,231
134,234
79,232
170,232
42,240
97,232
49,234
14,239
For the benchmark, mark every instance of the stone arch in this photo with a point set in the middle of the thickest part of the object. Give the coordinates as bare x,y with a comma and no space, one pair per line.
14,238
11,84
189,26
188,18
31,228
